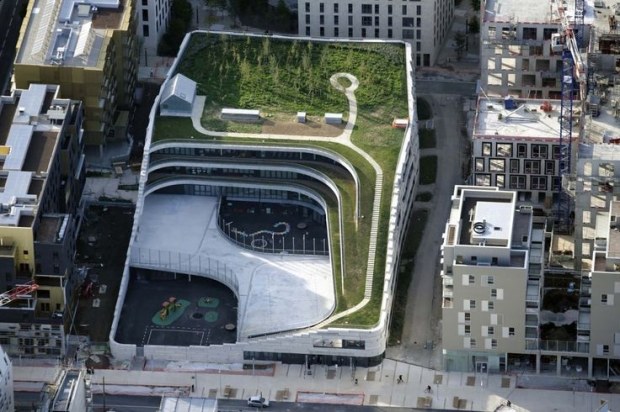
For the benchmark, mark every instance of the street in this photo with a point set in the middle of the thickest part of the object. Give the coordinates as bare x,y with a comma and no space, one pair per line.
9,33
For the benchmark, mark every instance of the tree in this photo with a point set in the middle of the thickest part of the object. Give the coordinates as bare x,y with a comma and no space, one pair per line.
475,4
460,41
473,25
180,20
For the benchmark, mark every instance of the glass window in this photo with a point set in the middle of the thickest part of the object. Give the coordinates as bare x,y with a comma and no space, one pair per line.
532,166
500,180
335,7
307,7
497,165
504,150
539,182
408,21
539,151
479,164
486,149
366,8
521,150
407,34
404,10
350,8
514,166
321,7
366,20
483,179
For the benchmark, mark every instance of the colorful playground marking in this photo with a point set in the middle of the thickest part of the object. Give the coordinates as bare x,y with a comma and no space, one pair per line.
170,311
208,302
211,316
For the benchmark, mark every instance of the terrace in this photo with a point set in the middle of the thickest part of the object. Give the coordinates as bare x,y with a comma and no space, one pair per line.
281,77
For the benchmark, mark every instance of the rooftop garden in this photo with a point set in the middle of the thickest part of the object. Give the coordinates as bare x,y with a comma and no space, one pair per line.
281,77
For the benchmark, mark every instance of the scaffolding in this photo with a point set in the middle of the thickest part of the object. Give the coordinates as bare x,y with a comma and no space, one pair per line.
18,292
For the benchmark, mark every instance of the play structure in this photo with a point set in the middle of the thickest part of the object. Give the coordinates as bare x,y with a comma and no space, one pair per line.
168,306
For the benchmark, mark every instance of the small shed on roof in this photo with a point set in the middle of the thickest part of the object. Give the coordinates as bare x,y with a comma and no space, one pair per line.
178,96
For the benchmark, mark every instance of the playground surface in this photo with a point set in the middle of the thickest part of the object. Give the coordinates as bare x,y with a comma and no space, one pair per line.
205,308
177,231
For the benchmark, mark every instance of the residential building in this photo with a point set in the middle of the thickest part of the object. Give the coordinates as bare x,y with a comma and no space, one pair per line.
516,145
492,272
43,174
7,402
71,393
153,19
89,49
210,187
424,24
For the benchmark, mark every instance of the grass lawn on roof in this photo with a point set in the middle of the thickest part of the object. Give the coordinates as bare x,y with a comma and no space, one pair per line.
281,77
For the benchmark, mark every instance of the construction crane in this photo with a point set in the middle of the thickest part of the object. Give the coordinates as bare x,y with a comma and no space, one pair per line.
573,86
18,292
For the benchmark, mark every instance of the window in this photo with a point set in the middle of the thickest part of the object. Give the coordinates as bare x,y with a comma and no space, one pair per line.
492,33
486,149
321,7
307,30
377,33
407,34
321,19
549,167
350,32
408,22
145,30
604,298
389,9
497,294
366,21
472,304
390,34
515,166
556,151
479,164
145,2
529,33
511,331
335,7
350,8
467,330
389,22
404,13
366,8
307,6
500,181
467,317
322,31
503,150
472,343
539,182
497,165
491,305
490,330
521,150
363,32
418,10
532,166
336,32
376,20
468,280
307,19
517,182
548,32
376,9
539,150
145,15
483,179
25,252
605,349
490,280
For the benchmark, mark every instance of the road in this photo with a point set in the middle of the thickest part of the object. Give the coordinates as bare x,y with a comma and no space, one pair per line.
452,87
9,33
120,403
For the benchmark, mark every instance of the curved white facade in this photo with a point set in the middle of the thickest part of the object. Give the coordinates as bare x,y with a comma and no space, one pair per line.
7,402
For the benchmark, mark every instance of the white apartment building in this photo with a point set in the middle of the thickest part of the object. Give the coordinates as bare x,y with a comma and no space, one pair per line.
153,17
492,271
423,23
7,403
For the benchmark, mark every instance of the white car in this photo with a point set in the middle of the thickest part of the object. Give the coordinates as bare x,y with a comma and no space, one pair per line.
258,401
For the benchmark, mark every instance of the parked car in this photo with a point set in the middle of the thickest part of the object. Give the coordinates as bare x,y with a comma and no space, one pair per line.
258,401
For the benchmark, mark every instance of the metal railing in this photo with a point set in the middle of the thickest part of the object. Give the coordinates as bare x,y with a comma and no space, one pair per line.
557,346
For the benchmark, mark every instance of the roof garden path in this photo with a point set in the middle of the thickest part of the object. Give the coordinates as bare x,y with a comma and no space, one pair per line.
345,139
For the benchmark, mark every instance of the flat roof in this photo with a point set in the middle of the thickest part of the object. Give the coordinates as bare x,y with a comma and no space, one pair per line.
525,122
270,284
492,222
534,11
51,227
69,32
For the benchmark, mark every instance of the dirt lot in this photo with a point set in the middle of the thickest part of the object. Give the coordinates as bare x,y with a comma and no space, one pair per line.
102,248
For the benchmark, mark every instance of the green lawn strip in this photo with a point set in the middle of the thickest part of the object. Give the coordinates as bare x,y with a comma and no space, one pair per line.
405,273
427,139
428,169
424,109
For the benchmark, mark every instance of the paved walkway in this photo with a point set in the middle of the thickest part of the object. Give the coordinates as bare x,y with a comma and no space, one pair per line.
378,386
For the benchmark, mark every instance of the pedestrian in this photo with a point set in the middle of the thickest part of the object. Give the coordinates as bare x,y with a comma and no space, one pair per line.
400,379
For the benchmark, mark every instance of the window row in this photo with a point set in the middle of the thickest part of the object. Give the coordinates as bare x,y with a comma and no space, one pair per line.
407,34
367,21
535,167
540,151
366,8
518,182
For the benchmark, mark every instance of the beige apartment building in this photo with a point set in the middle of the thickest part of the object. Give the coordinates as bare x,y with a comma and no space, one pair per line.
423,23
492,279
89,48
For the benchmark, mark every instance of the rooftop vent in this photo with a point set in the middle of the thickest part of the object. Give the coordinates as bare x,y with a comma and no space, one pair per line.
480,227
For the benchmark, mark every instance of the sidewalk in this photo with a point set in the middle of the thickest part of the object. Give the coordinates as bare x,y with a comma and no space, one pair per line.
375,386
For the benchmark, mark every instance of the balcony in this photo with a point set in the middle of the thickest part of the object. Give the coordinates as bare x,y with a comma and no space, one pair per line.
557,346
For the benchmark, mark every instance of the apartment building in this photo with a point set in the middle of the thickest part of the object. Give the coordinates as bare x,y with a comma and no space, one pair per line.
153,18
424,24
492,279
516,146
89,49
42,174
7,402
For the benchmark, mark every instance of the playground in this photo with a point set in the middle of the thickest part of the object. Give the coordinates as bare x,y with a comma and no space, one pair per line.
169,309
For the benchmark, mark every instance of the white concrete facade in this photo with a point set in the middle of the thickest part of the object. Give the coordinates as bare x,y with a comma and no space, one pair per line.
153,17
424,24
7,402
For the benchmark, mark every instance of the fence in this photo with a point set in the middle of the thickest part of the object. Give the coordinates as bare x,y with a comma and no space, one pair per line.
276,241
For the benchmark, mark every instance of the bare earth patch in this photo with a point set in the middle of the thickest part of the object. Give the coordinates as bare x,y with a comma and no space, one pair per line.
312,127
